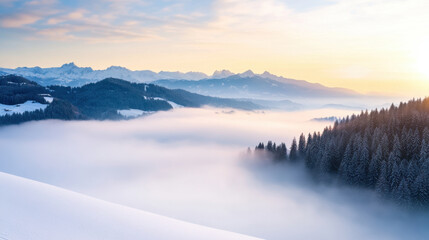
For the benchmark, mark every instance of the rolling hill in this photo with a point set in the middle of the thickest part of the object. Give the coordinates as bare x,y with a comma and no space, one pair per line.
54,213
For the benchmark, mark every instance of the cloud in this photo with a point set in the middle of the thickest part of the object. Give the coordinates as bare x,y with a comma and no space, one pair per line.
27,13
251,22
19,20
186,164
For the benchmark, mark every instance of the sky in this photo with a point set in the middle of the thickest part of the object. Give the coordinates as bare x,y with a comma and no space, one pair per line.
372,46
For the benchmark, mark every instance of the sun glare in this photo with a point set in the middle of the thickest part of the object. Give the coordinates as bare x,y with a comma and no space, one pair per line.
422,59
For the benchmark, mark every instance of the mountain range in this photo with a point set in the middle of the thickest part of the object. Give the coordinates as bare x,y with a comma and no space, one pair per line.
220,84
71,75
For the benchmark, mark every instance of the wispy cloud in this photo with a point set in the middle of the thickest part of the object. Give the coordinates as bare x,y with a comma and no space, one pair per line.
19,20
26,13
354,40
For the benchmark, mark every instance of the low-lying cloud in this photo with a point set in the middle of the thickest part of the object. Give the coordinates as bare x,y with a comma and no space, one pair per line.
188,164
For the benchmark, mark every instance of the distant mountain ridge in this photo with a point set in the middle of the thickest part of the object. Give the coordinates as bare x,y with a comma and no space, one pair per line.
71,75
262,86
241,85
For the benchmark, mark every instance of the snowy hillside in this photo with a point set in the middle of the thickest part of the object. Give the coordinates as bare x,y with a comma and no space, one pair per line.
28,106
33,210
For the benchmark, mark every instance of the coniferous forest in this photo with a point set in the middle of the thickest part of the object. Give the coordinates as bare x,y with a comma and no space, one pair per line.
386,150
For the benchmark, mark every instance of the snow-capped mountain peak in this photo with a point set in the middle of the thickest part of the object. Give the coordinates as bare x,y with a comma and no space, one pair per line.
117,68
267,74
69,65
222,74
248,73
71,75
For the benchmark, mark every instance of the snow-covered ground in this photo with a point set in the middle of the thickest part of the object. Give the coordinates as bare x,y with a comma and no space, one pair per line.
49,99
131,113
37,211
173,104
20,108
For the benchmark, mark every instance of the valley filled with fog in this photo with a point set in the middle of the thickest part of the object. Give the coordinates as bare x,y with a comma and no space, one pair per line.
191,164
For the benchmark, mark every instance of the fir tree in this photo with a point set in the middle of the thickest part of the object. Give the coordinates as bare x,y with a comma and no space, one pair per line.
374,168
301,146
293,154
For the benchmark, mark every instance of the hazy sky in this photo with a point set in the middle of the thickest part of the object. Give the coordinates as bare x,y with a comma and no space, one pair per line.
367,45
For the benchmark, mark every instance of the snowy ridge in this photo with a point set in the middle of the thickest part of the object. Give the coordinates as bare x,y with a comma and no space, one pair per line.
34,210
71,75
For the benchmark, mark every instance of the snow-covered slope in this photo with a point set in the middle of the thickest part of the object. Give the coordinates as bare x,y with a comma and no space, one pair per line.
33,210
132,113
28,106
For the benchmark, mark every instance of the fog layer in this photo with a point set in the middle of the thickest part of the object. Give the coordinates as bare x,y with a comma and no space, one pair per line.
189,164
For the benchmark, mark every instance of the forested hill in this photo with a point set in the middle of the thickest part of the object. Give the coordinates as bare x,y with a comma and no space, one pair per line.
23,100
16,90
102,99
386,150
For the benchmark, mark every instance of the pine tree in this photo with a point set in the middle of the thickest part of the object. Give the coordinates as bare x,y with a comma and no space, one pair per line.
422,183
382,186
293,154
301,146
326,163
283,150
395,177
312,154
421,188
415,146
364,160
269,146
425,134
402,194
412,173
396,151
385,147
260,147
424,152
347,158
374,167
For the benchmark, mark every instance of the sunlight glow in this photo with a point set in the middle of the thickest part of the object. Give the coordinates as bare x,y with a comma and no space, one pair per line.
422,59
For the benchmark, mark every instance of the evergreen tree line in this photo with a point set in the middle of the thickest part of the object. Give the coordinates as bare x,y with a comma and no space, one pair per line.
386,150
277,152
